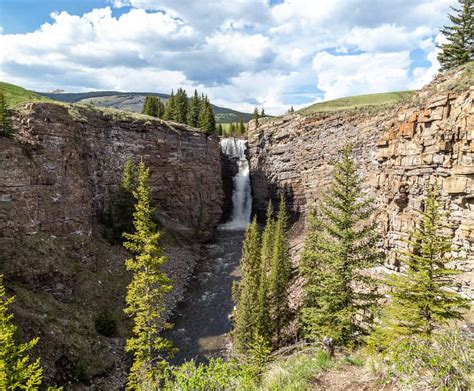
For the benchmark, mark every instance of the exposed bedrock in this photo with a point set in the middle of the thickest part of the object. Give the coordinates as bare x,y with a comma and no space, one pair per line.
59,177
400,151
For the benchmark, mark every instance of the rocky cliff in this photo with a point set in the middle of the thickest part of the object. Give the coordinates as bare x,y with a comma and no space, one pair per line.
59,179
400,151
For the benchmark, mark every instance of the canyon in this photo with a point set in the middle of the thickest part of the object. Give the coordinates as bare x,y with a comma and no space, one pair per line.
60,179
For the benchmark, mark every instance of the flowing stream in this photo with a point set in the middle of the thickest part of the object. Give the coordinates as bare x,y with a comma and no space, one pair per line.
202,322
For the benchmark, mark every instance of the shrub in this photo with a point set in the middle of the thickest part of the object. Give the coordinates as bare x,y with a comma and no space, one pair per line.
443,361
216,375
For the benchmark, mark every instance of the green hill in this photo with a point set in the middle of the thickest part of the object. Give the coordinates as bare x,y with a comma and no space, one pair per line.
133,101
16,95
355,102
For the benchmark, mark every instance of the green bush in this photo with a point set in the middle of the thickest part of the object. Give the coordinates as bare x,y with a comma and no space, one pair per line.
442,362
214,376
106,324
295,372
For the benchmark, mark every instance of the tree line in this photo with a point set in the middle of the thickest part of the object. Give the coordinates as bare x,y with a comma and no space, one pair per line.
195,111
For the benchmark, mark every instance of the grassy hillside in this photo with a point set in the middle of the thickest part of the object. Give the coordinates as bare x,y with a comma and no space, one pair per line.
16,95
133,101
354,102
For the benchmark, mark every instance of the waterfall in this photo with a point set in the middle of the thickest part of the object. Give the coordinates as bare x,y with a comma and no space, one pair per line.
241,197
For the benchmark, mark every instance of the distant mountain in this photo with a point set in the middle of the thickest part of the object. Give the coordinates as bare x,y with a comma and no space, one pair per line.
133,101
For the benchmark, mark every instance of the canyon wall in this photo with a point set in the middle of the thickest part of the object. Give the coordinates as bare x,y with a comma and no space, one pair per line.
59,178
401,150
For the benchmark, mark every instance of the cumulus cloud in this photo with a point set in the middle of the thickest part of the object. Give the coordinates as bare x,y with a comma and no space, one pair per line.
245,55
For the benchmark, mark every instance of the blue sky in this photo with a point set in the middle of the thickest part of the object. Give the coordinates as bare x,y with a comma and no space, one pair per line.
271,54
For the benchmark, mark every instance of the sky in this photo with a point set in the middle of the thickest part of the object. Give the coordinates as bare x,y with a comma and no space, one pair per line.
242,53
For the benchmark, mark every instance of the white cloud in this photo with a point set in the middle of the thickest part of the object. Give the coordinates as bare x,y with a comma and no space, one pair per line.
340,76
246,54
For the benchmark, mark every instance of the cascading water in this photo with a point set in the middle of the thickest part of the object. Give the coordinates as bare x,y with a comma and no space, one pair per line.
242,195
202,323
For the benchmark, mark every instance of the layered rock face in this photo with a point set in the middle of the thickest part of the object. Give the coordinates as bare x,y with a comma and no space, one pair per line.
400,151
59,178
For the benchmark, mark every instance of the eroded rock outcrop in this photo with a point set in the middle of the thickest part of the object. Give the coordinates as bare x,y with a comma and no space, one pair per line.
400,150
59,177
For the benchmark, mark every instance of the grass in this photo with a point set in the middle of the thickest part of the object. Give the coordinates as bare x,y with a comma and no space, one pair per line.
295,372
355,102
16,95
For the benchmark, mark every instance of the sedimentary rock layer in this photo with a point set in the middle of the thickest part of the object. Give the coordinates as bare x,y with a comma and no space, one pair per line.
400,151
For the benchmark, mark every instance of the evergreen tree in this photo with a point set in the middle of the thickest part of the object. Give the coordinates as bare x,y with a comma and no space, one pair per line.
241,126
245,325
170,108
220,130
160,107
263,113
280,274
420,299
255,117
460,35
149,106
232,129
340,245
5,123
181,105
17,371
146,292
264,324
207,121
193,112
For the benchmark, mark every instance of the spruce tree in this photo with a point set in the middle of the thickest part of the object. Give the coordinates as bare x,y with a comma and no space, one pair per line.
255,117
207,121
460,35
245,325
194,108
146,293
220,130
264,324
170,108
149,106
17,370
340,298
263,113
160,107
5,122
280,273
241,126
420,299
181,106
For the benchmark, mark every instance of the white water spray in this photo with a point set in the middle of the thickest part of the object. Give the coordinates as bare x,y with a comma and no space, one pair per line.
241,197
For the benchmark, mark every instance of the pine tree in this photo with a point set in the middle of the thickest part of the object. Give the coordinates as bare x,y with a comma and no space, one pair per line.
264,325
170,108
181,106
207,121
246,313
460,48
17,371
255,117
193,112
340,245
160,107
146,292
232,129
420,299
220,130
150,107
280,274
263,113
5,123
241,126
